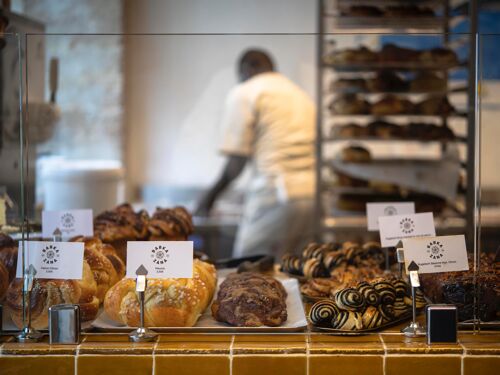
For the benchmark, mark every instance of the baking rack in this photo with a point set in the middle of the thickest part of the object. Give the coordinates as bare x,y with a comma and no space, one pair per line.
332,22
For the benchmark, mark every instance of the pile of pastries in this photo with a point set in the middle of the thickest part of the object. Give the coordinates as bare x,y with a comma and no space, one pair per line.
393,54
404,10
391,81
122,224
324,260
353,104
102,268
388,130
366,305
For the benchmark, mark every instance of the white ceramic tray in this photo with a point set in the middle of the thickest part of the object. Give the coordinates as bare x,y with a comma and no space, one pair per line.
296,321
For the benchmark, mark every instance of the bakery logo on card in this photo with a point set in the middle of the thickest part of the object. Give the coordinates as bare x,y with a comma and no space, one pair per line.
407,225
67,221
160,255
390,211
435,249
50,255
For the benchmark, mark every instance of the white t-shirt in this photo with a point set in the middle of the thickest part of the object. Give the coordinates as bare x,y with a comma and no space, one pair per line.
272,121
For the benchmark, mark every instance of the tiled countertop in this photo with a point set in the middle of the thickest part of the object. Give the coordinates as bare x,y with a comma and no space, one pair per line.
386,353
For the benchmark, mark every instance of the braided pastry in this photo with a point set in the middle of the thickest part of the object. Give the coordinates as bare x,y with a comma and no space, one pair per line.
315,250
400,308
333,259
350,299
323,312
369,293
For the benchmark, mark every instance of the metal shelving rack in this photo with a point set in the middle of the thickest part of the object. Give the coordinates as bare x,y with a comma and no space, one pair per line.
330,23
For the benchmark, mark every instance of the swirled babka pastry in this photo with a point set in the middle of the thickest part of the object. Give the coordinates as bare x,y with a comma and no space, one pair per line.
170,224
250,300
323,312
348,321
385,289
48,292
291,264
314,268
369,293
350,299
372,318
119,225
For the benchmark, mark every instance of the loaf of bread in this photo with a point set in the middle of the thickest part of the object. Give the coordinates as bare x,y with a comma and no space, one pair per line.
250,300
4,281
170,224
48,292
120,225
105,264
169,302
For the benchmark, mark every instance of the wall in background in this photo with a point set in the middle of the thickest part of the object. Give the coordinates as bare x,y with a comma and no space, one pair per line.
91,77
176,85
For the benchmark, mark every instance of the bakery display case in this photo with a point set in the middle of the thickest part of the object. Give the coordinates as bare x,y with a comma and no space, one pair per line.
389,105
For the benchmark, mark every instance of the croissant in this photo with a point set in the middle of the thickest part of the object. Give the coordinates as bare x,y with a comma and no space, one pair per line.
48,292
105,264
168,302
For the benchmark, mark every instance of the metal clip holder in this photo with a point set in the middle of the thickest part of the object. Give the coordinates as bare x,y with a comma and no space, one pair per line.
415,329
400,256
141,334
28,334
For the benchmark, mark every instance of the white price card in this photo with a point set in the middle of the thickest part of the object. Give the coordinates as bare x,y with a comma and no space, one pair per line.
375,210
70,222
437,254
395,228
52,260
162,259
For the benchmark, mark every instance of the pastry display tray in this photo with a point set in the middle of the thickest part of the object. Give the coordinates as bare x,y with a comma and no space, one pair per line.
9,327
340,332
296,321
384,22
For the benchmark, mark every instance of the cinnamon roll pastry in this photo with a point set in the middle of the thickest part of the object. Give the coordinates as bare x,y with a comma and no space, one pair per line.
369,293
314,268
323,312
400,308
372,318
385,290
350,299
291,264
387,312
170,224
419,299
348,321
401,287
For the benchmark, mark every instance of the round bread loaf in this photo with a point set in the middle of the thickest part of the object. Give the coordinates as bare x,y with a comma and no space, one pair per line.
8,254
170,224
168,302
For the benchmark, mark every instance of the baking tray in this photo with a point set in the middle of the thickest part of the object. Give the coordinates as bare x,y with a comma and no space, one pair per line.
296,321
8,326
340,332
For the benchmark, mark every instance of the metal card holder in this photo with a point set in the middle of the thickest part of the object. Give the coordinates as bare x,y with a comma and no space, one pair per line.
141,334
28,333
415,329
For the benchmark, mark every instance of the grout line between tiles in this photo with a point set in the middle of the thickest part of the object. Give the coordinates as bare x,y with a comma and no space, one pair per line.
155,346
462,360
308,352
77,353
231,355
384,346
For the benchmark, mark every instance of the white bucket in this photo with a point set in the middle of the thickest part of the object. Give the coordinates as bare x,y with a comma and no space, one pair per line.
73,184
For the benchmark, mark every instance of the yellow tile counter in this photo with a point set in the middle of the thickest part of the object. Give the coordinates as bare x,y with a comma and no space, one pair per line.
315,354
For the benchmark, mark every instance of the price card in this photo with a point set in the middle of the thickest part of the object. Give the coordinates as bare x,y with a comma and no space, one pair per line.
375,210
437,254
161,259
395,228
52,260
3,210
70,222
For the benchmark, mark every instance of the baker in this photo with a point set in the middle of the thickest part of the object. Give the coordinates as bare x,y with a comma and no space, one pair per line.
269,125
